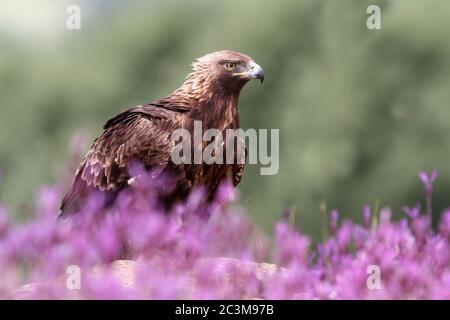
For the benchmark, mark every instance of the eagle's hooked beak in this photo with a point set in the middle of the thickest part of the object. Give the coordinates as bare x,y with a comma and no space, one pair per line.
256,72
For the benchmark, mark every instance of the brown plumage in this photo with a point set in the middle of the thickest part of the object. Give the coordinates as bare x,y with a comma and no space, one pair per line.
210,94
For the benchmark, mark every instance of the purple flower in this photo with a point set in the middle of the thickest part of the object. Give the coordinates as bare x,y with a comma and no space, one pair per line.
3,221
412,213
428,181
343,235
291,247
385,215
210,251
226,193
334,217
367,216
444,226
359,235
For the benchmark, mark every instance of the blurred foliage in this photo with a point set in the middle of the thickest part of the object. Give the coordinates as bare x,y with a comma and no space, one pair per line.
360,112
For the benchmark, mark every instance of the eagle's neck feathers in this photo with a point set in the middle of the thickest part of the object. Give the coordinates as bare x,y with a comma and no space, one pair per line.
211,103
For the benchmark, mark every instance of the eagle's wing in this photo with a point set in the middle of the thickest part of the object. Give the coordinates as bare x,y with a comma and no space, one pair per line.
141,133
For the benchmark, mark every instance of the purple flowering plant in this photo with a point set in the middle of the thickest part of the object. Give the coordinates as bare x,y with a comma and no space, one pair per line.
136,250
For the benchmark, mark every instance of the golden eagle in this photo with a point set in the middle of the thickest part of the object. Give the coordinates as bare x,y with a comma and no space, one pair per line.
209,94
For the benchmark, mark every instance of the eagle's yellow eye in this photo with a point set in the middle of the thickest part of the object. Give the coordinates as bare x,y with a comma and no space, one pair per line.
230,66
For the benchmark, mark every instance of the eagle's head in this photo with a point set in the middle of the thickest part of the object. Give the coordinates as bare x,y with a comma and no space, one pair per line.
225,70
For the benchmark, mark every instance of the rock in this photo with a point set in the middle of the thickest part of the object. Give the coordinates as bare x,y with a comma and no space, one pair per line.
232,273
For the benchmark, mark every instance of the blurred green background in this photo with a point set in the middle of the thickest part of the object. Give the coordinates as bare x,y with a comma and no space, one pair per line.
360,111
